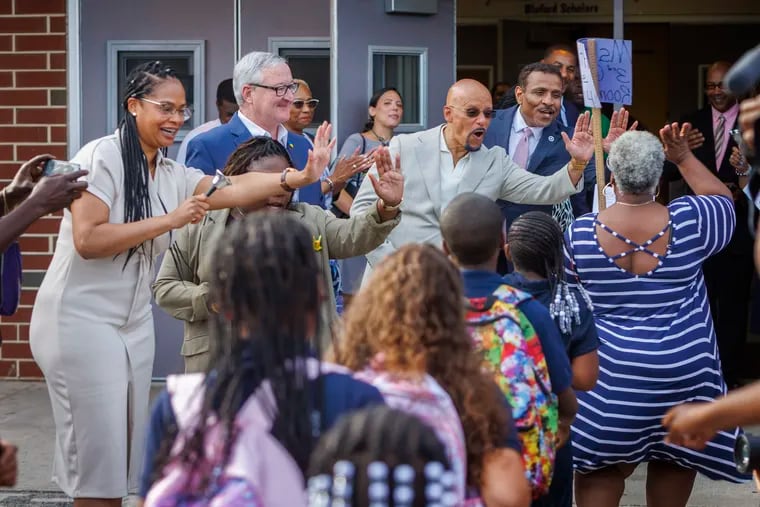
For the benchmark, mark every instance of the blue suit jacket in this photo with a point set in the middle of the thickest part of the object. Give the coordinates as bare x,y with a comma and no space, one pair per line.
549,156
210,150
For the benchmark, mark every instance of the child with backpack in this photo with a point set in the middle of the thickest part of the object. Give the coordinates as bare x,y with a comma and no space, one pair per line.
520,344
243,434
535,245
405,334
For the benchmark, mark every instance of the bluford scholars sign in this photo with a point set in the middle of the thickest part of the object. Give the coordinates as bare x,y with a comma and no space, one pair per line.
543,8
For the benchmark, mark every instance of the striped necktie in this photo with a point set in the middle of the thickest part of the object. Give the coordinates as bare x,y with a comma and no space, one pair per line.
720,133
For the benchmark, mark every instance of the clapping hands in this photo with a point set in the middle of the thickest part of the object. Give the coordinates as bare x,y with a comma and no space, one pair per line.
675,138
581,146
618,127
319,156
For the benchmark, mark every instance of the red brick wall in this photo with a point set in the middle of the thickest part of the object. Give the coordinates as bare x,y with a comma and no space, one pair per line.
32,121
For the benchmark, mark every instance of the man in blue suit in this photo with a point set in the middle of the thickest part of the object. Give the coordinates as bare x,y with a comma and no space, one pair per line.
531,133
264,89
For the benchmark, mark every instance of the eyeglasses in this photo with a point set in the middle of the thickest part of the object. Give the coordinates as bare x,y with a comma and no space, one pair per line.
311,103
167,109
474,112
279,90
715,86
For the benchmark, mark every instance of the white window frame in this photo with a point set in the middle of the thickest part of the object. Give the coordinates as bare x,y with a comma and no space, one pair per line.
422,54
197,47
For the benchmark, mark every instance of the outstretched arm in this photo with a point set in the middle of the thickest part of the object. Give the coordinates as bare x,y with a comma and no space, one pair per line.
254,188
695,424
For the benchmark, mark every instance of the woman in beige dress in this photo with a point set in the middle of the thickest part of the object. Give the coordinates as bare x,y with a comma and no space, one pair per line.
92,328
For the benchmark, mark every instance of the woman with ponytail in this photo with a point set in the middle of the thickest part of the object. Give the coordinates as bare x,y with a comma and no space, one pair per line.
92,329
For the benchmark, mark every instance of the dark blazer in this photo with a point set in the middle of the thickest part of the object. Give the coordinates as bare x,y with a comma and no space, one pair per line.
702,120
549,156
210,150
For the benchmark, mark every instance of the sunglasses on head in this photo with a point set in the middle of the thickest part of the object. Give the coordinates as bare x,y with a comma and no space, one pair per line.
311,103
474,112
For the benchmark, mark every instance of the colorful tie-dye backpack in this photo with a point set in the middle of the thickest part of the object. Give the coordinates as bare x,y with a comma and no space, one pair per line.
512,351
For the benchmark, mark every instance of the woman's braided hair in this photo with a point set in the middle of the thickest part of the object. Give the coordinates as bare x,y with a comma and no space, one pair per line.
536,243
140,83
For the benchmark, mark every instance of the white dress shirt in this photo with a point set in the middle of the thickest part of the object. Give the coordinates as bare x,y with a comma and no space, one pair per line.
450,175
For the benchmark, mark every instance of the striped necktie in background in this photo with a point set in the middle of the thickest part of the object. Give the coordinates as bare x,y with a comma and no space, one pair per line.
720,133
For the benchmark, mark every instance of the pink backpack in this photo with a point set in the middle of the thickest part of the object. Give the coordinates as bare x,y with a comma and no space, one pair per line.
260,472
427,401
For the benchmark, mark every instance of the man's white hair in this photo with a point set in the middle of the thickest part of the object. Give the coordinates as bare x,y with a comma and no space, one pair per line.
249,68
636,159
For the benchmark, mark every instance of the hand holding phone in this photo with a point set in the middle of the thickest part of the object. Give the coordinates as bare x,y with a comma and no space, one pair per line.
53,166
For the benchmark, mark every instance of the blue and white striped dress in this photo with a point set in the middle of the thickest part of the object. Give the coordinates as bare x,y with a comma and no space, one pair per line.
658,346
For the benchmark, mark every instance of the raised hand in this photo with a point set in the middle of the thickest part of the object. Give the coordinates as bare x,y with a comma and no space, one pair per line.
618,126
581,146
675,139
58,191
346,167
695,139
189,212
319,156
389,185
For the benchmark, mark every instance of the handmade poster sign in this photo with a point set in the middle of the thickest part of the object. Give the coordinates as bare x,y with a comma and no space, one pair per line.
606,67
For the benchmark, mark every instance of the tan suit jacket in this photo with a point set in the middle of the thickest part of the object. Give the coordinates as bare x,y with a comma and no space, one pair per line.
490,172
181,287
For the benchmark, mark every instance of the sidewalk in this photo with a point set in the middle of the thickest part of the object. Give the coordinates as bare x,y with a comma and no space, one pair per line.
26,420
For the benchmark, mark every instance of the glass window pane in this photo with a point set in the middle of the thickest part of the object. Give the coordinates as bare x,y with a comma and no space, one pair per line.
401,71
180,61
313,66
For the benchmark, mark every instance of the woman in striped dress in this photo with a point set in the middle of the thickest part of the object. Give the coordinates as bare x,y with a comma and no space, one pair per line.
641,264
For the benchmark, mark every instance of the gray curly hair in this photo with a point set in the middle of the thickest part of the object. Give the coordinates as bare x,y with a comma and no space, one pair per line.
636,159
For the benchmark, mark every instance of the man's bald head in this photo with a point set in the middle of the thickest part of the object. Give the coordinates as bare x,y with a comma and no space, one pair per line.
471,226
468,112
720,65
717,94
465,90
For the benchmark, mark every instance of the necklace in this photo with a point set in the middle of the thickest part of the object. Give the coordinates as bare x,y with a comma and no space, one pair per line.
636,205
382,140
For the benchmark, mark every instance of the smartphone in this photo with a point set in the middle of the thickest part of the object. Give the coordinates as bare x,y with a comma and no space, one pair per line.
53,166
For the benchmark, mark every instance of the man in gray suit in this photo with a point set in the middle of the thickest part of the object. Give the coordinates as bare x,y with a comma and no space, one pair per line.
447,160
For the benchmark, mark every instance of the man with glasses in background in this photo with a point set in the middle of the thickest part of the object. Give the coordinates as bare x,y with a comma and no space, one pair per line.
729,273
264,89
450,159
226,106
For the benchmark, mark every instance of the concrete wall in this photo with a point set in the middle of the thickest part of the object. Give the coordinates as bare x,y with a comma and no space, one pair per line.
291,18
165,20
364,22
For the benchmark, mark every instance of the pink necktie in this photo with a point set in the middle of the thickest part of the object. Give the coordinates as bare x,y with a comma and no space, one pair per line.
522,151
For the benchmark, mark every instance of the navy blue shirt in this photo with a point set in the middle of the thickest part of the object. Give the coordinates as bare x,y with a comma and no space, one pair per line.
583,338
343,394
478,284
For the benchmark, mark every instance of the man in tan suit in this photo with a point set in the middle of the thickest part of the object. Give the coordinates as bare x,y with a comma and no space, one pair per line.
447,160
